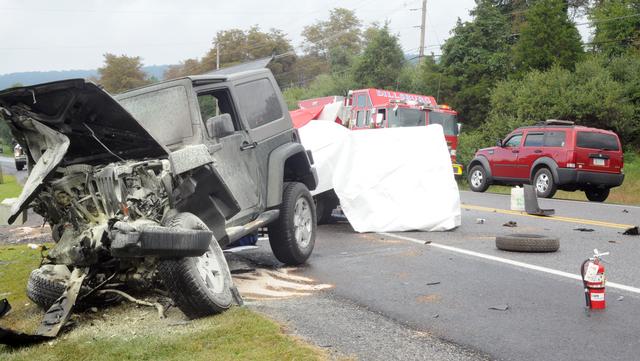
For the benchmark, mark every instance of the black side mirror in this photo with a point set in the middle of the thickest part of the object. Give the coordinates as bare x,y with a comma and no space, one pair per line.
220,126
499,143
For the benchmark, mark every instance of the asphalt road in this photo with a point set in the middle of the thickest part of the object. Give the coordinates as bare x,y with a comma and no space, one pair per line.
446,289
9,167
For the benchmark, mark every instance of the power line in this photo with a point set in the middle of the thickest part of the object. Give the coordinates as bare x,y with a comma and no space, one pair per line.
608,19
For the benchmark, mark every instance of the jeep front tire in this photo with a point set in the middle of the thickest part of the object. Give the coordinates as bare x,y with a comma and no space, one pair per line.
292,236
199,286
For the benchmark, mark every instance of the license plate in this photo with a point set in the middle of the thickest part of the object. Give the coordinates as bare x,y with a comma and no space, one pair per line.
598,161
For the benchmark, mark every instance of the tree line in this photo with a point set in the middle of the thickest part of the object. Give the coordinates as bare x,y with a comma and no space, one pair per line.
514,63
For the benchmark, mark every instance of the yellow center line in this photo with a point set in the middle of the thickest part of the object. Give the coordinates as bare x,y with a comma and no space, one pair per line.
551,218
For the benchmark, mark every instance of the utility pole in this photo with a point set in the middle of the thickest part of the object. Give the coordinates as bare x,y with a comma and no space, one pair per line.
217,54
423,28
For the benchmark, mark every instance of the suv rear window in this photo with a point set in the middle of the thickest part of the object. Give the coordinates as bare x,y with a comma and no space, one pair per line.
260,102
595,140
554,139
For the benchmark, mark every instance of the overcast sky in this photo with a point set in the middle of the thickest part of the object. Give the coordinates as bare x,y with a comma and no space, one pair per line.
40,35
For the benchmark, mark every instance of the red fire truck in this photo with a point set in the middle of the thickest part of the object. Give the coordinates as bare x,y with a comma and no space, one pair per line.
376,108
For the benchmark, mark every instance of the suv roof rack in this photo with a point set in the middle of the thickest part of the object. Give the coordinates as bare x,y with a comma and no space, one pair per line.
558,122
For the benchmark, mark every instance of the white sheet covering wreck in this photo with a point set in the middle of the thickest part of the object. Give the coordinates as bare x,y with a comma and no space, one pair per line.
396,179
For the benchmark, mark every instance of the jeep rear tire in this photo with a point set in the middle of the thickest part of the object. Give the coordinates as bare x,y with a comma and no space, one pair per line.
478,181
544,183
200,286
292,236
597,194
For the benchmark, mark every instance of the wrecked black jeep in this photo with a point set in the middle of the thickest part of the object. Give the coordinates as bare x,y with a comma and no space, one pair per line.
147,188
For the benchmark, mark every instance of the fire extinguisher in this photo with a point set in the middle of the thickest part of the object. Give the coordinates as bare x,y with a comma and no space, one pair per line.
593,278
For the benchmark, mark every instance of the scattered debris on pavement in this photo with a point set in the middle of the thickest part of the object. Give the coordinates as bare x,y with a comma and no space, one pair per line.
625,211
582,229
502,307
620,298
433,283
510,224
480,220
633,231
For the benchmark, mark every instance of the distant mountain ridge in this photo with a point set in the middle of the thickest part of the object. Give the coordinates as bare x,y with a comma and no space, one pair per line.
35,77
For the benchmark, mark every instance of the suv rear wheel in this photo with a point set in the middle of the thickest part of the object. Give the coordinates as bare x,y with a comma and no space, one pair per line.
478,181
597,194
292,236
544,183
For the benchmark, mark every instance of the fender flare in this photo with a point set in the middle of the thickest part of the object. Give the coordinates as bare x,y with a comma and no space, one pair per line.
547,162
275,178
482,160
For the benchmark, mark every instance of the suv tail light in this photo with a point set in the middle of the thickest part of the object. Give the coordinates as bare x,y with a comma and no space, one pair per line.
571,159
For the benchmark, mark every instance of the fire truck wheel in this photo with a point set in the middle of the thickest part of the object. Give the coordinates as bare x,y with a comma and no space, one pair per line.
478,181
519,242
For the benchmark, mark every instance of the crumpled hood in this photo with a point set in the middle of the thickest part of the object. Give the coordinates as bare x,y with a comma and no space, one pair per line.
69,122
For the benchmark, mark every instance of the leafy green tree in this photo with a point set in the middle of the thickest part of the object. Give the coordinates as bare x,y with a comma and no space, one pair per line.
238,46
120,73
616,29
337,39
381,62
474,58
548,37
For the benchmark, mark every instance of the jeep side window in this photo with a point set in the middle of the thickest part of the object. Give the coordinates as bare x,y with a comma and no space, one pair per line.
215,103
514,141
260,102
534,140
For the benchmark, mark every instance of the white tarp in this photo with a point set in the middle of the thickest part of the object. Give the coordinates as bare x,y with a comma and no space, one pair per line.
397,179
325,140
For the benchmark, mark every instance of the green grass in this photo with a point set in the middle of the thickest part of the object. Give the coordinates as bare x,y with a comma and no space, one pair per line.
627,193
117,333
7,150
10,188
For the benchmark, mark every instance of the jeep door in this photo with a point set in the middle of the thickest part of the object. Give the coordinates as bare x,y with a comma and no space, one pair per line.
234,157
505,158
264,114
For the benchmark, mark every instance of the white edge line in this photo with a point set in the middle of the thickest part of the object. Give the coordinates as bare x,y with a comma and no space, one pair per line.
510,262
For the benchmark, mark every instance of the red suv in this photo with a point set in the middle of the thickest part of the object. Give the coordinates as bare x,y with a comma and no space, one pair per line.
552,155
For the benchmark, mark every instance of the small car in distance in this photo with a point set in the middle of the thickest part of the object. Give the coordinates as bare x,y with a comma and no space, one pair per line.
552,155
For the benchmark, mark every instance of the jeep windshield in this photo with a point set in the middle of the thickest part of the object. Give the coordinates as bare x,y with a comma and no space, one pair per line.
405,117
164,113
448,121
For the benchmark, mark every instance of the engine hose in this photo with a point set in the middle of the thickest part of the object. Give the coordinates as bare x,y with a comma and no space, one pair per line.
584,282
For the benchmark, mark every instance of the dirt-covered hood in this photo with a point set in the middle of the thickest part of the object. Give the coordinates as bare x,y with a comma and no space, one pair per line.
69,122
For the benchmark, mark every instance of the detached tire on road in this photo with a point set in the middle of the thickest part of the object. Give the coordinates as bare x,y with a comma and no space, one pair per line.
527,243
293,235
200,286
